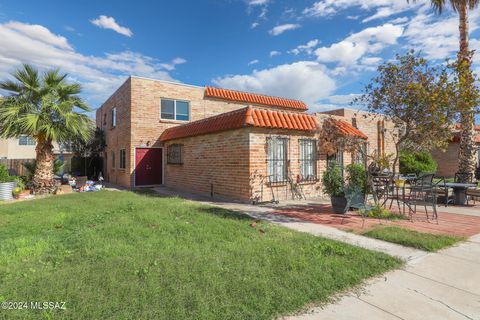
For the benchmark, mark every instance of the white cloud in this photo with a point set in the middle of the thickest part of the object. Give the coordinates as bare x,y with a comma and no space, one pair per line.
38,33
110,23
171,66
307,48
99,75
257,2
436,38
253,62
383,8
282,28
254,25
274,53
304,80
344,99
357,45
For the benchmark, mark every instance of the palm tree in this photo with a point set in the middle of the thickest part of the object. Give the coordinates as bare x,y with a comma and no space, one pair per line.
48,109
467,150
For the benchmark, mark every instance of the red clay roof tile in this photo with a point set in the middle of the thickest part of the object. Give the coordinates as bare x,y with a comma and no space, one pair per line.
347,129
241,118
260,99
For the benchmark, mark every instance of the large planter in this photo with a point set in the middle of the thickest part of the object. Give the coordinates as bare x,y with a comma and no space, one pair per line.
339,204
6,189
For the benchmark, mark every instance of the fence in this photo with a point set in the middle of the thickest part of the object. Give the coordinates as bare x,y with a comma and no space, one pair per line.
15,166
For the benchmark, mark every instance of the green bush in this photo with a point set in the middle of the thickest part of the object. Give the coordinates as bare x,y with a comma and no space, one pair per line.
418,162
357,177
4,175
332,181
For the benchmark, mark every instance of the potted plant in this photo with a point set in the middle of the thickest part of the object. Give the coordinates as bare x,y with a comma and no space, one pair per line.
7,184
334,186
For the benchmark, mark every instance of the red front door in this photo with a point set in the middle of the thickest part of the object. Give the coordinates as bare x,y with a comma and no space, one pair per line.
148,166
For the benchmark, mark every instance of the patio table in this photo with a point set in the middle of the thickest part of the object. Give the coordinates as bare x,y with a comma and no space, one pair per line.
460,191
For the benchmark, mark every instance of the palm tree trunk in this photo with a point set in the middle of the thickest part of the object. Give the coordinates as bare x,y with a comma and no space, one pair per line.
466,152
43,177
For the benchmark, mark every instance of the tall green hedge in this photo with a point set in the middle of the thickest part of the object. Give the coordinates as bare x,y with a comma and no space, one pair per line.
417,162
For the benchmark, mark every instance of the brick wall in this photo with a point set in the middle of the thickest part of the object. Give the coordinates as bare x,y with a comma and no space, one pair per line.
214,162
448,161
119,137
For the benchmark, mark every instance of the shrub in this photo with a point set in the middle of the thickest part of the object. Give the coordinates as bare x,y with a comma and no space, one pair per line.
417,162
356,177
5,176
379,212
332,181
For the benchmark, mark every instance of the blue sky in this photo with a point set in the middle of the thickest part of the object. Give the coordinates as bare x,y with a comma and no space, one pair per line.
322,52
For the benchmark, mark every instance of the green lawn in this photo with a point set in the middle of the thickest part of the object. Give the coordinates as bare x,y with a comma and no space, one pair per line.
121,255
411,238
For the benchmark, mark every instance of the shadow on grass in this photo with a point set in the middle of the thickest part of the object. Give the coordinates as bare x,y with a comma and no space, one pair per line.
149,192
224,213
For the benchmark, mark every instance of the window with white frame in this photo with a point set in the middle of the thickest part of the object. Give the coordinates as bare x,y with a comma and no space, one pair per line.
122,159
171,109
175,154
25,140
308,159
113,159
277,159
114,117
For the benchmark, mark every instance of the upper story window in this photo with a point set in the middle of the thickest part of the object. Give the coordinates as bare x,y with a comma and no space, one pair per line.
174,154
277,159
26,141
174,110
308,159
114,117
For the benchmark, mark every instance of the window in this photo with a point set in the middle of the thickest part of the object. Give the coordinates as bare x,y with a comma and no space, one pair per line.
122,159
104,119
336,158
308,159
113,160
174,154
360,155
174,110
26,141
277,159
114,117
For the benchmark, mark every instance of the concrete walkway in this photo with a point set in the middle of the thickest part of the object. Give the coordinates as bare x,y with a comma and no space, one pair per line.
443,285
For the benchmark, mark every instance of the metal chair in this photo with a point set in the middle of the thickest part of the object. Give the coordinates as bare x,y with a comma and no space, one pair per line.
442,190
422,193
464,177
473,193
356,200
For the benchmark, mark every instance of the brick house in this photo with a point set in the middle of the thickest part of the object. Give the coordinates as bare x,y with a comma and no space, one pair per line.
220,142
447,160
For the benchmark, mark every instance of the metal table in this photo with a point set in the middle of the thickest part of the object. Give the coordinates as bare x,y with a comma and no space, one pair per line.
460,191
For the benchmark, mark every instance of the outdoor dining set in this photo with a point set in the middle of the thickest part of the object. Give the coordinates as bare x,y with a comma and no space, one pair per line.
411,192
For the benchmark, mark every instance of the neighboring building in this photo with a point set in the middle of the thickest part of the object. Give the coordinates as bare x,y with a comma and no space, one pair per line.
23,148
448,160
219,142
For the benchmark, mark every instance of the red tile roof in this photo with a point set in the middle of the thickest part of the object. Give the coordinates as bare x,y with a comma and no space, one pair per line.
245,117
347,129
456,134
260,99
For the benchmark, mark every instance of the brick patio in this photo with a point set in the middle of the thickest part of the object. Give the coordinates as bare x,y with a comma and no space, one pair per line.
448,223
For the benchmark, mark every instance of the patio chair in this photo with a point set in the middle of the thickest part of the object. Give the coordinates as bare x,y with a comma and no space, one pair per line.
422,193
464,177
441,189
473,193
356,200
